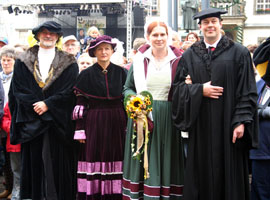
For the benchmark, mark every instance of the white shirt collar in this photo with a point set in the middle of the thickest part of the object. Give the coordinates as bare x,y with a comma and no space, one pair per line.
45,59
46,51
169,57
213,45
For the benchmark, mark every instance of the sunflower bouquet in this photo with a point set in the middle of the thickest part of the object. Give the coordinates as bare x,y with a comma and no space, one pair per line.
137,108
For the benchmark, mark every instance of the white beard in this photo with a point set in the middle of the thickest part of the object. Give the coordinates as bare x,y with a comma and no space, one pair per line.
48,43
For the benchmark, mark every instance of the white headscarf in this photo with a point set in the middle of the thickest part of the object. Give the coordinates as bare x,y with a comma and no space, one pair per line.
117,56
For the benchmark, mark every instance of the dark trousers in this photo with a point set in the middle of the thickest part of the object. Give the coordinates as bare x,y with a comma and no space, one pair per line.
7,167
37,179
260,186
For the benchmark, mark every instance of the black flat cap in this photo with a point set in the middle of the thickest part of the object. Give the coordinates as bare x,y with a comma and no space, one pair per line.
50,26
210,12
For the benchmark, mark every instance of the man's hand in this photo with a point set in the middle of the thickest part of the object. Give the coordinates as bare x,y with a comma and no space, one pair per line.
212,91
238,132
40,107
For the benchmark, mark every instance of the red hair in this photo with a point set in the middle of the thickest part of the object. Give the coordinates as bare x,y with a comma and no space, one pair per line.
195,35
154,25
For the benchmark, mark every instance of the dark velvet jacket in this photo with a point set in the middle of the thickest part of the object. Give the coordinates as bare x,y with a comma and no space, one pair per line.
57,94
93,83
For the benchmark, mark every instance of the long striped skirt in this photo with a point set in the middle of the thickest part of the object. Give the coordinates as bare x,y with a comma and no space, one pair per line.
100,166
166,160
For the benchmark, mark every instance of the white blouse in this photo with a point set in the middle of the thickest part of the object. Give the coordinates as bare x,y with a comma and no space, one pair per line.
158,78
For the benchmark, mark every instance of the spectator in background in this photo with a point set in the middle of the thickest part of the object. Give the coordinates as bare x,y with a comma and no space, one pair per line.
260,185
71,45
85,61
252,48
92,34
137,43
176,41
192,37
186,45
80,38
3,41
8,55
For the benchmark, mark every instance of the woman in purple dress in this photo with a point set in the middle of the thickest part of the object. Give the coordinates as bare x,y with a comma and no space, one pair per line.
100,124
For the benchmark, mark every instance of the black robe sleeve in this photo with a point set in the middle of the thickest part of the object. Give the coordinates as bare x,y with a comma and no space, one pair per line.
245,111
187,99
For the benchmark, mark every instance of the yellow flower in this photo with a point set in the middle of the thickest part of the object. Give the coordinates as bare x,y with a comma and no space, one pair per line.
136,103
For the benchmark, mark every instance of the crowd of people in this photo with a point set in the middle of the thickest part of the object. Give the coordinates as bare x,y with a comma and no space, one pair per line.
66,130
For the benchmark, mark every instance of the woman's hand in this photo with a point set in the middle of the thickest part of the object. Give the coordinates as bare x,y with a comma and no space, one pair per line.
188,80
212,91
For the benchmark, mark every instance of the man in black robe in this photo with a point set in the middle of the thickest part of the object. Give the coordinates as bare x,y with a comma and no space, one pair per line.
41,103
215,100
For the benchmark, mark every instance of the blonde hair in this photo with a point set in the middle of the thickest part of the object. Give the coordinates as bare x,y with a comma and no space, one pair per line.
91,29
83,56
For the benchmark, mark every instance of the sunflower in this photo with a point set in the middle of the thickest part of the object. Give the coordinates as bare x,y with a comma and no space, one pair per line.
136,103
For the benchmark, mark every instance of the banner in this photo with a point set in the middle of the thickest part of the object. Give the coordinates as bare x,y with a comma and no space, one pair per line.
85,22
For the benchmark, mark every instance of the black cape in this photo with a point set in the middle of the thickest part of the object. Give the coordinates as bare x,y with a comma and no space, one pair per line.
28,127
216,168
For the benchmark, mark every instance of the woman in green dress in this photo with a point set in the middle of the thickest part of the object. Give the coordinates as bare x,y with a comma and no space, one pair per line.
153,70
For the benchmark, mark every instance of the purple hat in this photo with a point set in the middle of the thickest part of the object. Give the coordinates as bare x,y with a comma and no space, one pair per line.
4,40
101,39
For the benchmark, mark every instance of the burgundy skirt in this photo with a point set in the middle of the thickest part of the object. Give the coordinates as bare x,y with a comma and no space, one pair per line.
100,165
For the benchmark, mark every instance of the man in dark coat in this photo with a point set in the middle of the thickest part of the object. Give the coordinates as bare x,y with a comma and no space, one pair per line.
215,100
41,103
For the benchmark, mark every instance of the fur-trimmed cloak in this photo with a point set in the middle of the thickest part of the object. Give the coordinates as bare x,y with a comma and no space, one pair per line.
30,129
216,168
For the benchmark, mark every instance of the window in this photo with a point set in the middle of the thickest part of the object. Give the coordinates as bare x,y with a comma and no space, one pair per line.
154,5
263,6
